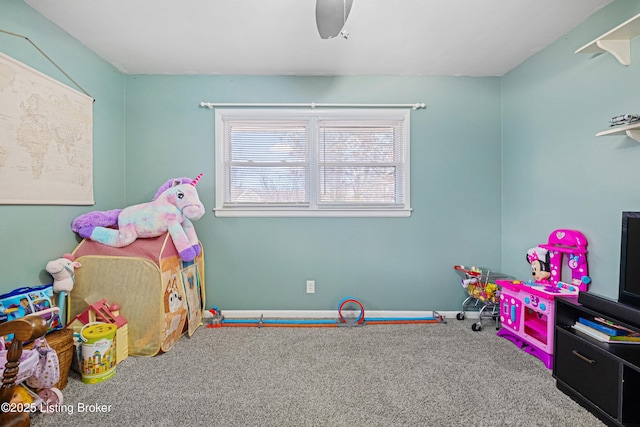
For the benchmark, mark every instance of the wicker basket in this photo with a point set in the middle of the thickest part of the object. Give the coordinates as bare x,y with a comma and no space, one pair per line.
62,342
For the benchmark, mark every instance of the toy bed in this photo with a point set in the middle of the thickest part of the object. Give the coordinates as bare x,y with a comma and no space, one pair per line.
159,295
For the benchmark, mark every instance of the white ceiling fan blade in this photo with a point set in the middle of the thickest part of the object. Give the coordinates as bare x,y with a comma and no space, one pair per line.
331,16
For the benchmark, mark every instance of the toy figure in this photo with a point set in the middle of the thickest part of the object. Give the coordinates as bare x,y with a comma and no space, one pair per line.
173,305
539,259
25,306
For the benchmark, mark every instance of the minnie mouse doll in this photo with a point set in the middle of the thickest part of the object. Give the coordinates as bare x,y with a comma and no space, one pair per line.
539,259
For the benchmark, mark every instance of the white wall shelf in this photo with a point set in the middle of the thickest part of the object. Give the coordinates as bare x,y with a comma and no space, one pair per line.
617,41
632,131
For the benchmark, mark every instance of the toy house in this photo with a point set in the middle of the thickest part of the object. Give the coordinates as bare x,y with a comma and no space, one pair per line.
104,312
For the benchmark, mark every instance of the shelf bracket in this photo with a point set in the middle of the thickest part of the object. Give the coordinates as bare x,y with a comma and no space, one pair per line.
617,42
634,134
620,49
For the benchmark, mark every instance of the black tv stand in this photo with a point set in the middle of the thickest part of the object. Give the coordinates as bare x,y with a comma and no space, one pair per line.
602,377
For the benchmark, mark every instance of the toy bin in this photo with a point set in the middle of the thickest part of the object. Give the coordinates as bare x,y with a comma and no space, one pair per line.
98,352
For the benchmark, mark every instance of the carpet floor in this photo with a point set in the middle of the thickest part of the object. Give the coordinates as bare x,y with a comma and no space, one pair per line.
376,375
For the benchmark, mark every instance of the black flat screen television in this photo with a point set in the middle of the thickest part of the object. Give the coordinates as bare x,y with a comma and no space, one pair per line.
629,292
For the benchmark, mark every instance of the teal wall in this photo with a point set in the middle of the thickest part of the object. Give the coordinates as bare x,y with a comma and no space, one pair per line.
31,236
556,173
496,165
387,263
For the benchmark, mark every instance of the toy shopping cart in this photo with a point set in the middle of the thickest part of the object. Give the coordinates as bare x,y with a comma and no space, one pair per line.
483,293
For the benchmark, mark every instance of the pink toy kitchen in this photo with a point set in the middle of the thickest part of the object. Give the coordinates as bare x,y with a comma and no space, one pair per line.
527,309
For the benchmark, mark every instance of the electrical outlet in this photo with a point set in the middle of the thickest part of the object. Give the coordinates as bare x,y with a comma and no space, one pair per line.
311,286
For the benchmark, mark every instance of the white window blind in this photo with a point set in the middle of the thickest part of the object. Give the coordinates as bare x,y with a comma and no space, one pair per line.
274,162
266,162
361,163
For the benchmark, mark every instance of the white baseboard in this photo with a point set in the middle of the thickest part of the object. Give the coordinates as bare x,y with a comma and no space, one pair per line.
333,314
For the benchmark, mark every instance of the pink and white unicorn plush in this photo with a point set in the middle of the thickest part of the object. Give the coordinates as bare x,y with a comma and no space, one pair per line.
63,272
173,208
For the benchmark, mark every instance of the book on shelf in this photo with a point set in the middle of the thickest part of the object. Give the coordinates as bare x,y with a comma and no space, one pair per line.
622,333
607,328
603,337
616,326
592,332
626,338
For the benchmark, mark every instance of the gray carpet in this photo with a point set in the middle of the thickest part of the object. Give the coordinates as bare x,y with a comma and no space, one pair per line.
376,375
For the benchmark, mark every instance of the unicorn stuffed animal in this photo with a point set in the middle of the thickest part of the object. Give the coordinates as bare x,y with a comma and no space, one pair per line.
63,272
173,208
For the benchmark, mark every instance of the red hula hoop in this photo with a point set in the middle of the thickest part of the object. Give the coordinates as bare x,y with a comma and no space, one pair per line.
360,319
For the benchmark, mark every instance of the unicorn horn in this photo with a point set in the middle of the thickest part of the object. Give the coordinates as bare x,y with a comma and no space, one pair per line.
195,181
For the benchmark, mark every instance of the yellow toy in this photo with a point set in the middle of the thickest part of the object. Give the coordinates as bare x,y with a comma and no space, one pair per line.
491,290
21,395
483,292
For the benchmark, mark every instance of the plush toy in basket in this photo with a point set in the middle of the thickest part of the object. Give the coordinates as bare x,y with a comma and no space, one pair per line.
62,342
38,368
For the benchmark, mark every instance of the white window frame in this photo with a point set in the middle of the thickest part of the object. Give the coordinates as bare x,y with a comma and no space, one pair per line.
223,209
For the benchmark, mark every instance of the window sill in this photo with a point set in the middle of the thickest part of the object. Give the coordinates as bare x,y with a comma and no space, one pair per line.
317,213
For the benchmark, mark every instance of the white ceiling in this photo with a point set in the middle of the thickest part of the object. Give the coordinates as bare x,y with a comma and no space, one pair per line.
386,37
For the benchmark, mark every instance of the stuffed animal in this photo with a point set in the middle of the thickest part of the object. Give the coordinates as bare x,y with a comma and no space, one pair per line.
174,206
63,272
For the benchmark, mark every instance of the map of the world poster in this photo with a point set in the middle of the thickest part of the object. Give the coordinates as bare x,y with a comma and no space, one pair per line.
46,139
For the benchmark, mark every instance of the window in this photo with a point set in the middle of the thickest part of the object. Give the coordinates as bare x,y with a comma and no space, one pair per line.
281,162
